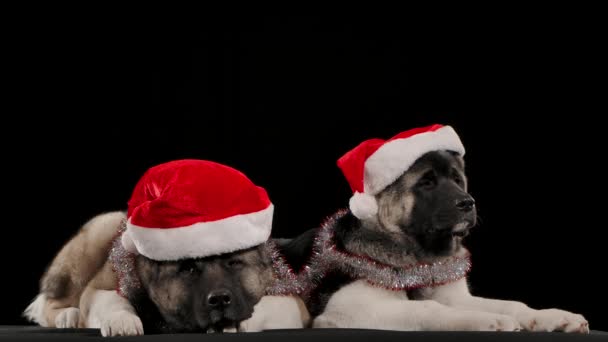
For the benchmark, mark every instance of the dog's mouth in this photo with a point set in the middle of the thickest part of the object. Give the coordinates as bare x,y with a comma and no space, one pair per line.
223,326
223,322
461,229
461,233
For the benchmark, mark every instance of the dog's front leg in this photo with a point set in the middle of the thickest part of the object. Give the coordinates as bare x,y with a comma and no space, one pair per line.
360,305
277,312
457,295
103,308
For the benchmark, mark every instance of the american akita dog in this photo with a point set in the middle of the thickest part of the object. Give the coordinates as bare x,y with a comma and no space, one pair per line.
202,271
395,260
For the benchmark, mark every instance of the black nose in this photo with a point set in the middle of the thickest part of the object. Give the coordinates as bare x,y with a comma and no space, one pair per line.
219,298
466,204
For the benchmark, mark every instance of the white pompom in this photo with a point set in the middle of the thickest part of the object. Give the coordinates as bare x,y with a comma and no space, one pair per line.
363,206
128,243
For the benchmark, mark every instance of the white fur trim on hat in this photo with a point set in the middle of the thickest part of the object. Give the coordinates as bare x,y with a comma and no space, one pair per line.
395,157
363,206
204,238
127,242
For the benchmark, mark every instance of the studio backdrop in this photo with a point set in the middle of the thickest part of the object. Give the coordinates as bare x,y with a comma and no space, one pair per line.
282,99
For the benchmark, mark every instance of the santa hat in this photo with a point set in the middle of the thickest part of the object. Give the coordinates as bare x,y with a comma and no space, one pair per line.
195,208
376,163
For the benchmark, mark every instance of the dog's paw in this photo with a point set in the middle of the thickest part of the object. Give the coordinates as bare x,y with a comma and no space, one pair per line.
230,330
553,320
276,312
67,318
121,323
488,322
324,322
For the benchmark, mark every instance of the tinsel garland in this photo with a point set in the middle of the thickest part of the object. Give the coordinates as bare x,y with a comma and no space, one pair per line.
123,264
286,282
326,257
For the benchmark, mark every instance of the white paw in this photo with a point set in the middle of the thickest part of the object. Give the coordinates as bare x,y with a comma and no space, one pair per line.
489,322
67,318
256,324
276,312
324,322
253,324
121,323
553,320
230,330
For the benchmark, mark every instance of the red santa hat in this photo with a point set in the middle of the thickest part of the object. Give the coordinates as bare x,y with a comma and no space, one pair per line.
376,163
195,208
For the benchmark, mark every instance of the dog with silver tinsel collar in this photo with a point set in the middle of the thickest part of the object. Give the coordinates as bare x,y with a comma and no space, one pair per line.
395,260
192,254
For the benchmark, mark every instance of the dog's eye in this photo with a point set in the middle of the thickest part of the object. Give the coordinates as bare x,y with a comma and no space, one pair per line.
187,268
235,263
456,177
428,180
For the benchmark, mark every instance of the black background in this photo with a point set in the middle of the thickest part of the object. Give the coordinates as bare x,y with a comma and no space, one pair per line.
94,102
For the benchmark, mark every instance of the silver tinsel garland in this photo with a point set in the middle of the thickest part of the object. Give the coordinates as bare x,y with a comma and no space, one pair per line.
326,257
123,264
286,282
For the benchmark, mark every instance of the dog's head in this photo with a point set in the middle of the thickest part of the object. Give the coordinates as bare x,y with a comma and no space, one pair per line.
430,204
207,294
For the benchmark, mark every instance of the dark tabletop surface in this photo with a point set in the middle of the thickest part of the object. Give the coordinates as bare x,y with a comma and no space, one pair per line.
34,333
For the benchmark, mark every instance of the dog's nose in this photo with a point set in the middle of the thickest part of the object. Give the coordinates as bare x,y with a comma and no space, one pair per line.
465,204
219,298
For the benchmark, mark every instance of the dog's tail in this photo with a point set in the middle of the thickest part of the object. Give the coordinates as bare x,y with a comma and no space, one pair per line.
74,266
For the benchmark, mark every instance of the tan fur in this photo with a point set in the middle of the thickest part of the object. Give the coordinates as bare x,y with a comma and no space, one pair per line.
304,314
256,279
75,265
105,279
391,216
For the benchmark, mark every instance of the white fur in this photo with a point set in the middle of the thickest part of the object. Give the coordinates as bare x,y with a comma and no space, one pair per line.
275,312
361,305
457,295
393,158
203,239
113,314
363,206
35,311
446,307
67,318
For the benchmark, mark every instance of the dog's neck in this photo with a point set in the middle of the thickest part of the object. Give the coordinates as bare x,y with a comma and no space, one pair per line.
389,249
399,271
371,239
